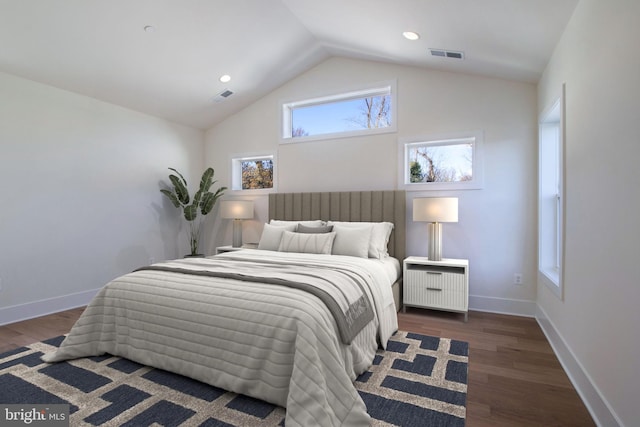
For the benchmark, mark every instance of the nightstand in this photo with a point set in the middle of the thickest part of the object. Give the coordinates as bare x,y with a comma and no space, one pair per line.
438,285
223,249
229,248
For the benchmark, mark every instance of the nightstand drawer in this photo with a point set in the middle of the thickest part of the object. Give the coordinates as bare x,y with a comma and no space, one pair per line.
430,278
430,295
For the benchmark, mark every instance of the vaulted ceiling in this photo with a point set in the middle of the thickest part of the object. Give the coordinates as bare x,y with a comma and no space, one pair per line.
165,57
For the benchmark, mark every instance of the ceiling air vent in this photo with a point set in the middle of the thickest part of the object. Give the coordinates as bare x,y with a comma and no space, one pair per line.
222,95
447,53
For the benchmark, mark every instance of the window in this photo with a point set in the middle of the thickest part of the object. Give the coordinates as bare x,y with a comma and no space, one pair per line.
361,112
255,172
438,163
550,198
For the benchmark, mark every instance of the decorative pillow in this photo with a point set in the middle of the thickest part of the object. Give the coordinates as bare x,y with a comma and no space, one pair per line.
309,243
322,229
351,240
312,223
271,236
380,239
379,236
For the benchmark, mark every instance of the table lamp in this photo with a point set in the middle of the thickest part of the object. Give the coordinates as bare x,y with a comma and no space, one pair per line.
236,210
435,210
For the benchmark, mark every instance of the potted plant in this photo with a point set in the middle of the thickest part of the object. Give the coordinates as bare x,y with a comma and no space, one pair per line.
201,203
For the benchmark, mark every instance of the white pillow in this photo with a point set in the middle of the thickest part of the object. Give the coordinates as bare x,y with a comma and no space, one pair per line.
312,223
351,240
378,247
309,243
271,236
379,236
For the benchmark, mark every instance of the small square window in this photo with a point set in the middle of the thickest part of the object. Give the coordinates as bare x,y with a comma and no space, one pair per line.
441,163
253,173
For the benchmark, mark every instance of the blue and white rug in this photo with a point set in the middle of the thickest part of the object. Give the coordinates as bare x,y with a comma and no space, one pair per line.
418,380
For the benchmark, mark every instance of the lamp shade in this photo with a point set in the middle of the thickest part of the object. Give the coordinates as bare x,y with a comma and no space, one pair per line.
236,209
436,209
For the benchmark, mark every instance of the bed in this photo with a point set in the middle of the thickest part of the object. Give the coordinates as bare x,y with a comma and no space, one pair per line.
374,206
290,328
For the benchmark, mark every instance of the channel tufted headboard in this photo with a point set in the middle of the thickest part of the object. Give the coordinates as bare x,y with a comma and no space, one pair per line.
370,206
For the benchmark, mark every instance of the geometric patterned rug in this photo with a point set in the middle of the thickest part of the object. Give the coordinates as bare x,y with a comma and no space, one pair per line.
418,380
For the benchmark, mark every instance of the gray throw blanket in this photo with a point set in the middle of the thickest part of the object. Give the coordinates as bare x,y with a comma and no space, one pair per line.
342,290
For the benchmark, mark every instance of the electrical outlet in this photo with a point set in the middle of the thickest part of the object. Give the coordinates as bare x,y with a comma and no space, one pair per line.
517,279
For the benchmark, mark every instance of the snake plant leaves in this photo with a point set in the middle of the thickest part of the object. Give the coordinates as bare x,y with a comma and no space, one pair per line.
197,197
207,203
172,197
207,180
181,177
203,201
181,190
209,200
191,212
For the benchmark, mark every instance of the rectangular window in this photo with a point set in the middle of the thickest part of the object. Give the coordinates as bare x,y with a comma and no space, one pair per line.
550,198
434,163
353,113
253,173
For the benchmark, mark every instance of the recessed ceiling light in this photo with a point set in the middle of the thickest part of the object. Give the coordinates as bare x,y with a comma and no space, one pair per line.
149,29
411,35
226,78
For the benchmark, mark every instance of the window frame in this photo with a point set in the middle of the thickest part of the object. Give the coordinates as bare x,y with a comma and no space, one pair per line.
551,219
236,172
477,161
377,89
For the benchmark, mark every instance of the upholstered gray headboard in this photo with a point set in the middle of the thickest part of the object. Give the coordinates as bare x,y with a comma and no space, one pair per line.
371,206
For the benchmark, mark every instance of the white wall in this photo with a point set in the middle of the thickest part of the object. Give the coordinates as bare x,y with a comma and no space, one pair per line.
79,203
496,231
597,322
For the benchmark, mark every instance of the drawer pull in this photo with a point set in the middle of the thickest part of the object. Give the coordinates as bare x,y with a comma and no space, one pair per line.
435,273
434,289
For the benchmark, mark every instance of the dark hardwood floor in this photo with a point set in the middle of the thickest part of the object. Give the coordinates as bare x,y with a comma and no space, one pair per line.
514,377
29,331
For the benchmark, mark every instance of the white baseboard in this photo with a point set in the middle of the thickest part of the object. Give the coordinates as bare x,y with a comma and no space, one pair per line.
502,305
17,313
596,405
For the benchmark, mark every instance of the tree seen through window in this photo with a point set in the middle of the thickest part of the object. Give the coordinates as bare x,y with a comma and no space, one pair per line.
257,174
371,112
440,162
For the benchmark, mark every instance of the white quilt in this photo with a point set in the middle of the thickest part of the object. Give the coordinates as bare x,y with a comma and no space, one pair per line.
275,343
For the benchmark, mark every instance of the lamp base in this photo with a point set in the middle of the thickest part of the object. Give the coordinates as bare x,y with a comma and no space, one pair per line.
435,241
237,233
